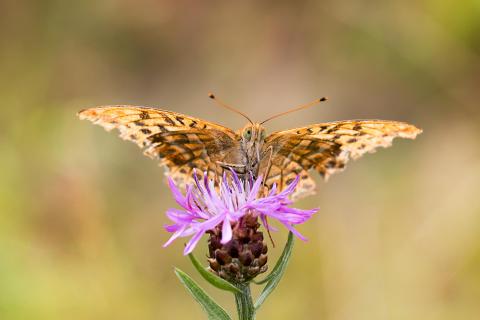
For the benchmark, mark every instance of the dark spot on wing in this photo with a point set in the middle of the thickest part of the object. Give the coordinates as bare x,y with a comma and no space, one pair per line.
331,164
146,131
157,137
162,128
332,129
169,121
180,119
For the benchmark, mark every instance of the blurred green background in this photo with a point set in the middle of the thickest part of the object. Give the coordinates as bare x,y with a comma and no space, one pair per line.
81,212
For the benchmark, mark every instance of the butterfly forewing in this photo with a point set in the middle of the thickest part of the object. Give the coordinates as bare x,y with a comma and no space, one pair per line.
181,142
326,148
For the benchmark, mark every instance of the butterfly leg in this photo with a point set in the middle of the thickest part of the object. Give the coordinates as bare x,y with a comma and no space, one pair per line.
269,166
265,177
240,169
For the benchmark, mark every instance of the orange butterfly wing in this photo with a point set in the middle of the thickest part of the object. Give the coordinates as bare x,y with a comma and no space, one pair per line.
326,148
180,142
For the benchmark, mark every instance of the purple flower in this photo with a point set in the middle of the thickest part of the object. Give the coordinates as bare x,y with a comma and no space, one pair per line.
204,207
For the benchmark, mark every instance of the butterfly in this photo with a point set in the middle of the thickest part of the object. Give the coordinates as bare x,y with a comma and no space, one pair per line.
184,143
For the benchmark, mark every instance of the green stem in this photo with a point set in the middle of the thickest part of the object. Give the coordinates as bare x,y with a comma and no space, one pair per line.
245,308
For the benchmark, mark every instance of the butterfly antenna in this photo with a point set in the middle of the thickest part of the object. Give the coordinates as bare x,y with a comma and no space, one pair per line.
304,106
223,104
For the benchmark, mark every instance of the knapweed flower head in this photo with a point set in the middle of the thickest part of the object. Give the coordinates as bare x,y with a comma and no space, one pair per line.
206,207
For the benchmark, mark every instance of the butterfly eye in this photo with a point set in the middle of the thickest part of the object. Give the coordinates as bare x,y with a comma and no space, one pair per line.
263,135
247,134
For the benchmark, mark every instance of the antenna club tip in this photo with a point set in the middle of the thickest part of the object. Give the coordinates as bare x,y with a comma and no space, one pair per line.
211,95
323,99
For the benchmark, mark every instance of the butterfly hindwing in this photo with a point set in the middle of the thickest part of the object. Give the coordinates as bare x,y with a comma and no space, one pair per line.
180,142
326,148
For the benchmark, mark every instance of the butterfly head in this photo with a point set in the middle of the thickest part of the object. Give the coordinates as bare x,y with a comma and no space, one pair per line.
252,139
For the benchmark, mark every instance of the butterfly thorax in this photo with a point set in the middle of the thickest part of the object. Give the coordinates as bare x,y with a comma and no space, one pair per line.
252,138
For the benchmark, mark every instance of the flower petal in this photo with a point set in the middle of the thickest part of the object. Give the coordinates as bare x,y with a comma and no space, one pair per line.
226,231
193,242
295,232
177,234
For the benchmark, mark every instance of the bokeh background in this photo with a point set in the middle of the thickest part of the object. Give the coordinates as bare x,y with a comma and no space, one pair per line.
81,212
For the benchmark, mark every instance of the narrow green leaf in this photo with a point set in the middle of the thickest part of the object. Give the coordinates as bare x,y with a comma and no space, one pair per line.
213,279
213,310
276,275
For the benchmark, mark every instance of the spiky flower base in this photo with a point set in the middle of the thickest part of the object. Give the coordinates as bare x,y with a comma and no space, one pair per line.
242,258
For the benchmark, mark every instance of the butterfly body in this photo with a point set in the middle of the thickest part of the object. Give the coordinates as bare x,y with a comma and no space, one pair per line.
251,144
183,143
